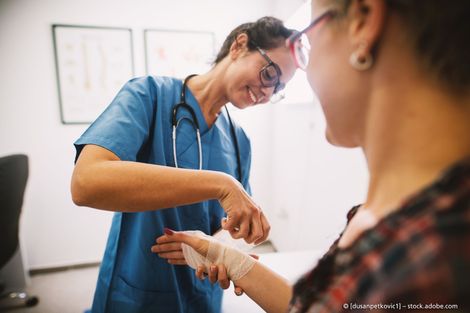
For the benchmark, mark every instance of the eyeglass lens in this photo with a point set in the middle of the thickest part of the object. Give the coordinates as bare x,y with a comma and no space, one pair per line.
302,49
269,76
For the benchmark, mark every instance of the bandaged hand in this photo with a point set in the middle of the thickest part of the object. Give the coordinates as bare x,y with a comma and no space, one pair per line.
200,249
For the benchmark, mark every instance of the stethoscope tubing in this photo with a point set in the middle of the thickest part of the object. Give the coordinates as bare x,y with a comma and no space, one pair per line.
195,123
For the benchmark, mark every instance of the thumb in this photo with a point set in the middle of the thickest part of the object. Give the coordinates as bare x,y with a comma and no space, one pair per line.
199,244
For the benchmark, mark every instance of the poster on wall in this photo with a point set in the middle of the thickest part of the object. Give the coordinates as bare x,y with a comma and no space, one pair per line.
92,64
178,53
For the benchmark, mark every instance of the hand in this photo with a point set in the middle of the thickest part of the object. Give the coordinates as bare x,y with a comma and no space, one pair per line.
218,273
171,251
168,247
244,217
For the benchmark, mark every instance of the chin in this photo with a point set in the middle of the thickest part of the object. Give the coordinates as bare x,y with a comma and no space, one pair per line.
337,141
330,138
240,104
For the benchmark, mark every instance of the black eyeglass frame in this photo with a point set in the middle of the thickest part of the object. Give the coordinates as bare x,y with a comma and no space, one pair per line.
277,84
294,40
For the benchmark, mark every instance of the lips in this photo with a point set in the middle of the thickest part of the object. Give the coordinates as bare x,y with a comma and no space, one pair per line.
252,95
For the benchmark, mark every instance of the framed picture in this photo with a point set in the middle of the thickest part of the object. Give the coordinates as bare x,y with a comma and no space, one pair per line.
92,64
178,53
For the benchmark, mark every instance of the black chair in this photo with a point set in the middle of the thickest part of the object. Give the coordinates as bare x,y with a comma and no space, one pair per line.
13,178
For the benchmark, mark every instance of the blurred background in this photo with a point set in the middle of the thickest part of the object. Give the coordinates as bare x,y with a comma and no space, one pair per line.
304,185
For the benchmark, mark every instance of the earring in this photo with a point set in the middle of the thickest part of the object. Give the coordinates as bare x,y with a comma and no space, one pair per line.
361,62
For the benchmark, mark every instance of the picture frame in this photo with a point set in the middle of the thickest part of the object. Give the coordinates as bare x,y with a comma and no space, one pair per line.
92,64
178,53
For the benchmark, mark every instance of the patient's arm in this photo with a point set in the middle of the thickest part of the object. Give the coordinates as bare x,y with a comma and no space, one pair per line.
269,290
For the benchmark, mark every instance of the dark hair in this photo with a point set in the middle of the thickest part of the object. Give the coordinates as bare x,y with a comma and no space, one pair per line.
440,32
268,32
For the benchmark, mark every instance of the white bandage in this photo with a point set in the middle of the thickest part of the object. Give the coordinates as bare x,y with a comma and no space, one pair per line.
237,263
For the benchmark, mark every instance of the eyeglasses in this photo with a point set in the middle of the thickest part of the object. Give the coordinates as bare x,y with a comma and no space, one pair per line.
298,42
270,74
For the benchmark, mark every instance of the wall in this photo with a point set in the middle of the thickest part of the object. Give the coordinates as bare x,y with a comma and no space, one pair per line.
54,231
304,185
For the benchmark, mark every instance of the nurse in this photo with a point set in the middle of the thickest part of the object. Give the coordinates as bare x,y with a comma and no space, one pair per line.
128,162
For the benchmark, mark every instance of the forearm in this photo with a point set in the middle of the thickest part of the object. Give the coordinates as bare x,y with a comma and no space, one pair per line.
268,289
131,186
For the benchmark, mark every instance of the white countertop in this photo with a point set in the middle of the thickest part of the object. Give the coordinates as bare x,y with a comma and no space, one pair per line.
290,265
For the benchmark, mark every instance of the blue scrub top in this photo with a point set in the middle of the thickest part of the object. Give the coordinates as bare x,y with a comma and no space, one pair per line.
136,126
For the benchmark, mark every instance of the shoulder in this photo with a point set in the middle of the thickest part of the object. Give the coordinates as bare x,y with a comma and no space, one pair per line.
437,279
153,83
429,264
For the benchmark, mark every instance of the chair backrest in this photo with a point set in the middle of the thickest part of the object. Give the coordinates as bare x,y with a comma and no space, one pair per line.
13,178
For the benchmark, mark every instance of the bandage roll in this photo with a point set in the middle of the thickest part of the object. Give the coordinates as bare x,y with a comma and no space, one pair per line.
236,262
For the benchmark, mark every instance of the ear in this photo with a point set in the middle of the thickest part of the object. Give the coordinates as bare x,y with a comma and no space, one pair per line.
239,46
367,20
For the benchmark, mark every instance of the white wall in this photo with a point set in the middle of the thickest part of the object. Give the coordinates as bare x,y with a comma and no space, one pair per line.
54,231
315,184
303,184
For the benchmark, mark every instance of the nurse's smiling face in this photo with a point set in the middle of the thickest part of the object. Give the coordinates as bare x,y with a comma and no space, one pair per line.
244,85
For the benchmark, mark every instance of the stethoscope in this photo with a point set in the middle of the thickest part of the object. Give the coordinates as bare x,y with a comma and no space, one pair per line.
193,120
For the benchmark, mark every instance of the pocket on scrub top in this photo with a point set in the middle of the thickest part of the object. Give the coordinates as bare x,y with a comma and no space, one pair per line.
189,158
126,299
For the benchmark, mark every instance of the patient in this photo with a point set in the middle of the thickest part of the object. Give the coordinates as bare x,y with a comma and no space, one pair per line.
393,77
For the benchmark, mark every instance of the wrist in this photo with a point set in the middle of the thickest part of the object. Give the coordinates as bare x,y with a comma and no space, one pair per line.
222,185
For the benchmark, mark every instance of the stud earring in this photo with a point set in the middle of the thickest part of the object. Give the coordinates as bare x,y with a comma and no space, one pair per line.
361,62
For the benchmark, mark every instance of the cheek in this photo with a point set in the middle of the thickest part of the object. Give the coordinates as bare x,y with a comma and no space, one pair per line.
319,76
331,81
237,94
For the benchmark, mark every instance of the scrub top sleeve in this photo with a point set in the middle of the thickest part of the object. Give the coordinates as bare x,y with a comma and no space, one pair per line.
125,124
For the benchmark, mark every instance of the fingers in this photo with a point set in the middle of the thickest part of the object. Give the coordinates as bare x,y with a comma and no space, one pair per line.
224,282
231,222
172,255
266,229
256,231
200,273
166,251
177,261
217,273
198,244
244,218
238,290
243,231
213,274
166,247
249,227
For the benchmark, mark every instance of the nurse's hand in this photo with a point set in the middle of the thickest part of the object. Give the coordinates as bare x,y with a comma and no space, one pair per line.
244,217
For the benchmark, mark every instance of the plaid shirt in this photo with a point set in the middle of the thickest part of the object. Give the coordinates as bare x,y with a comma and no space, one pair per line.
415,259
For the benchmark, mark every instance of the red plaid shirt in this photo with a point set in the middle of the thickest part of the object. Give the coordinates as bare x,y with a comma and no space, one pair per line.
415,259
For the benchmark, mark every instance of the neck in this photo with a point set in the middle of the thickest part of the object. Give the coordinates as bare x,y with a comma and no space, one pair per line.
208,89
414,132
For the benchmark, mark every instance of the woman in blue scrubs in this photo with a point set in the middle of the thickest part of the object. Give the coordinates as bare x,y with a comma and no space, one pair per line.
125,163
